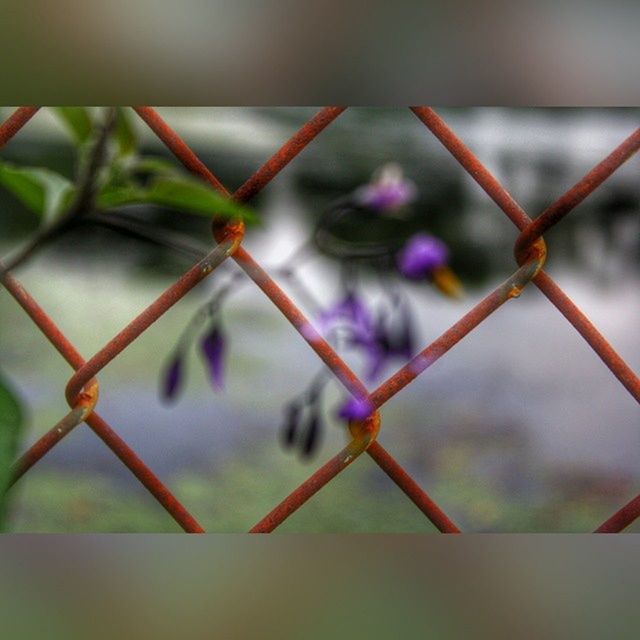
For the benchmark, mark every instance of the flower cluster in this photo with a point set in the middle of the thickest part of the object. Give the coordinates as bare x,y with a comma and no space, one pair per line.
379,333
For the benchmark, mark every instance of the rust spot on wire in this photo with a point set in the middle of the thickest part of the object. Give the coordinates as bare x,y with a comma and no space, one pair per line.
366,430
87,398
231,232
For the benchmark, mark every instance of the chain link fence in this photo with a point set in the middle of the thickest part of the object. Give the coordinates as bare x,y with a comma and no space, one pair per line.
82,389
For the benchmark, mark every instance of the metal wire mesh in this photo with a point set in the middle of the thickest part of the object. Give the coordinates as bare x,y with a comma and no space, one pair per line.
530,254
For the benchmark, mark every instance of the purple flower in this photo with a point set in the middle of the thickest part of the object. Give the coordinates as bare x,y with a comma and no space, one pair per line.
390,338
362,330
173,377
379,338
212,347
350,312
388,190
421,256
356,409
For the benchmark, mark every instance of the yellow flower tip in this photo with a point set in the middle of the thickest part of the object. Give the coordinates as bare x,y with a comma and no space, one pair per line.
447,282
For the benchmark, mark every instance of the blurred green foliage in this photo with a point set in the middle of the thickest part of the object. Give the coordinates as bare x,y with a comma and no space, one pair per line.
127,177
235,496
11,421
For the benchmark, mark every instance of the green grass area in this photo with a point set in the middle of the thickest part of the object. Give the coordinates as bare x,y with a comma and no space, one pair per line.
235,496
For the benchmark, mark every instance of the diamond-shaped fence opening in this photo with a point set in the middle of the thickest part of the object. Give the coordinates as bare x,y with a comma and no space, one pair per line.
529,252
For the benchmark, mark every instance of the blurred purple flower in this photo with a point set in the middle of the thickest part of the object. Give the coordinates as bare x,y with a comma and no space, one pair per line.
212,347
356,409
387,340
173,376
421,256
388,190
379,339
351,312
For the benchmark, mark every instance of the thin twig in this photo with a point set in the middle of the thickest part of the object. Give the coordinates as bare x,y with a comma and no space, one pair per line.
130,226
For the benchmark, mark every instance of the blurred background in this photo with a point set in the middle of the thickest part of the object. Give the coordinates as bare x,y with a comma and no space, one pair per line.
256,52
519,428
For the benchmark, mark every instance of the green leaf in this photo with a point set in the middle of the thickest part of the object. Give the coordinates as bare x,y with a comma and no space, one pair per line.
181,193
113,196
124,133
78,121
43,191
11,420
154,166
194,196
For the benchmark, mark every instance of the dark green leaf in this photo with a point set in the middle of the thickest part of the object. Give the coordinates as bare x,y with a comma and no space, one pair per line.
78,121
117,173
11,419
181,193
124,133
193,196
154,166
119,196
43,191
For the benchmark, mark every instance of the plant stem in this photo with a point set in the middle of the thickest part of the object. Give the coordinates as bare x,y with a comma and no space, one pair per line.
81,204
129,226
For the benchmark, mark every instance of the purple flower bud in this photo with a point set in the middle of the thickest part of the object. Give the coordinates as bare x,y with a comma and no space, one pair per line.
389,190
212,347
421,255
172,381
356,409
311,438
291,424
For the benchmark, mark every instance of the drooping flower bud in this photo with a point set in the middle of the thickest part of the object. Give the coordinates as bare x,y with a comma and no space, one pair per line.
212,347
173,377
311,437
291,424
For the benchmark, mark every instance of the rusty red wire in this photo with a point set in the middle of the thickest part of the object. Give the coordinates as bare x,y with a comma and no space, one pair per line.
530,253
